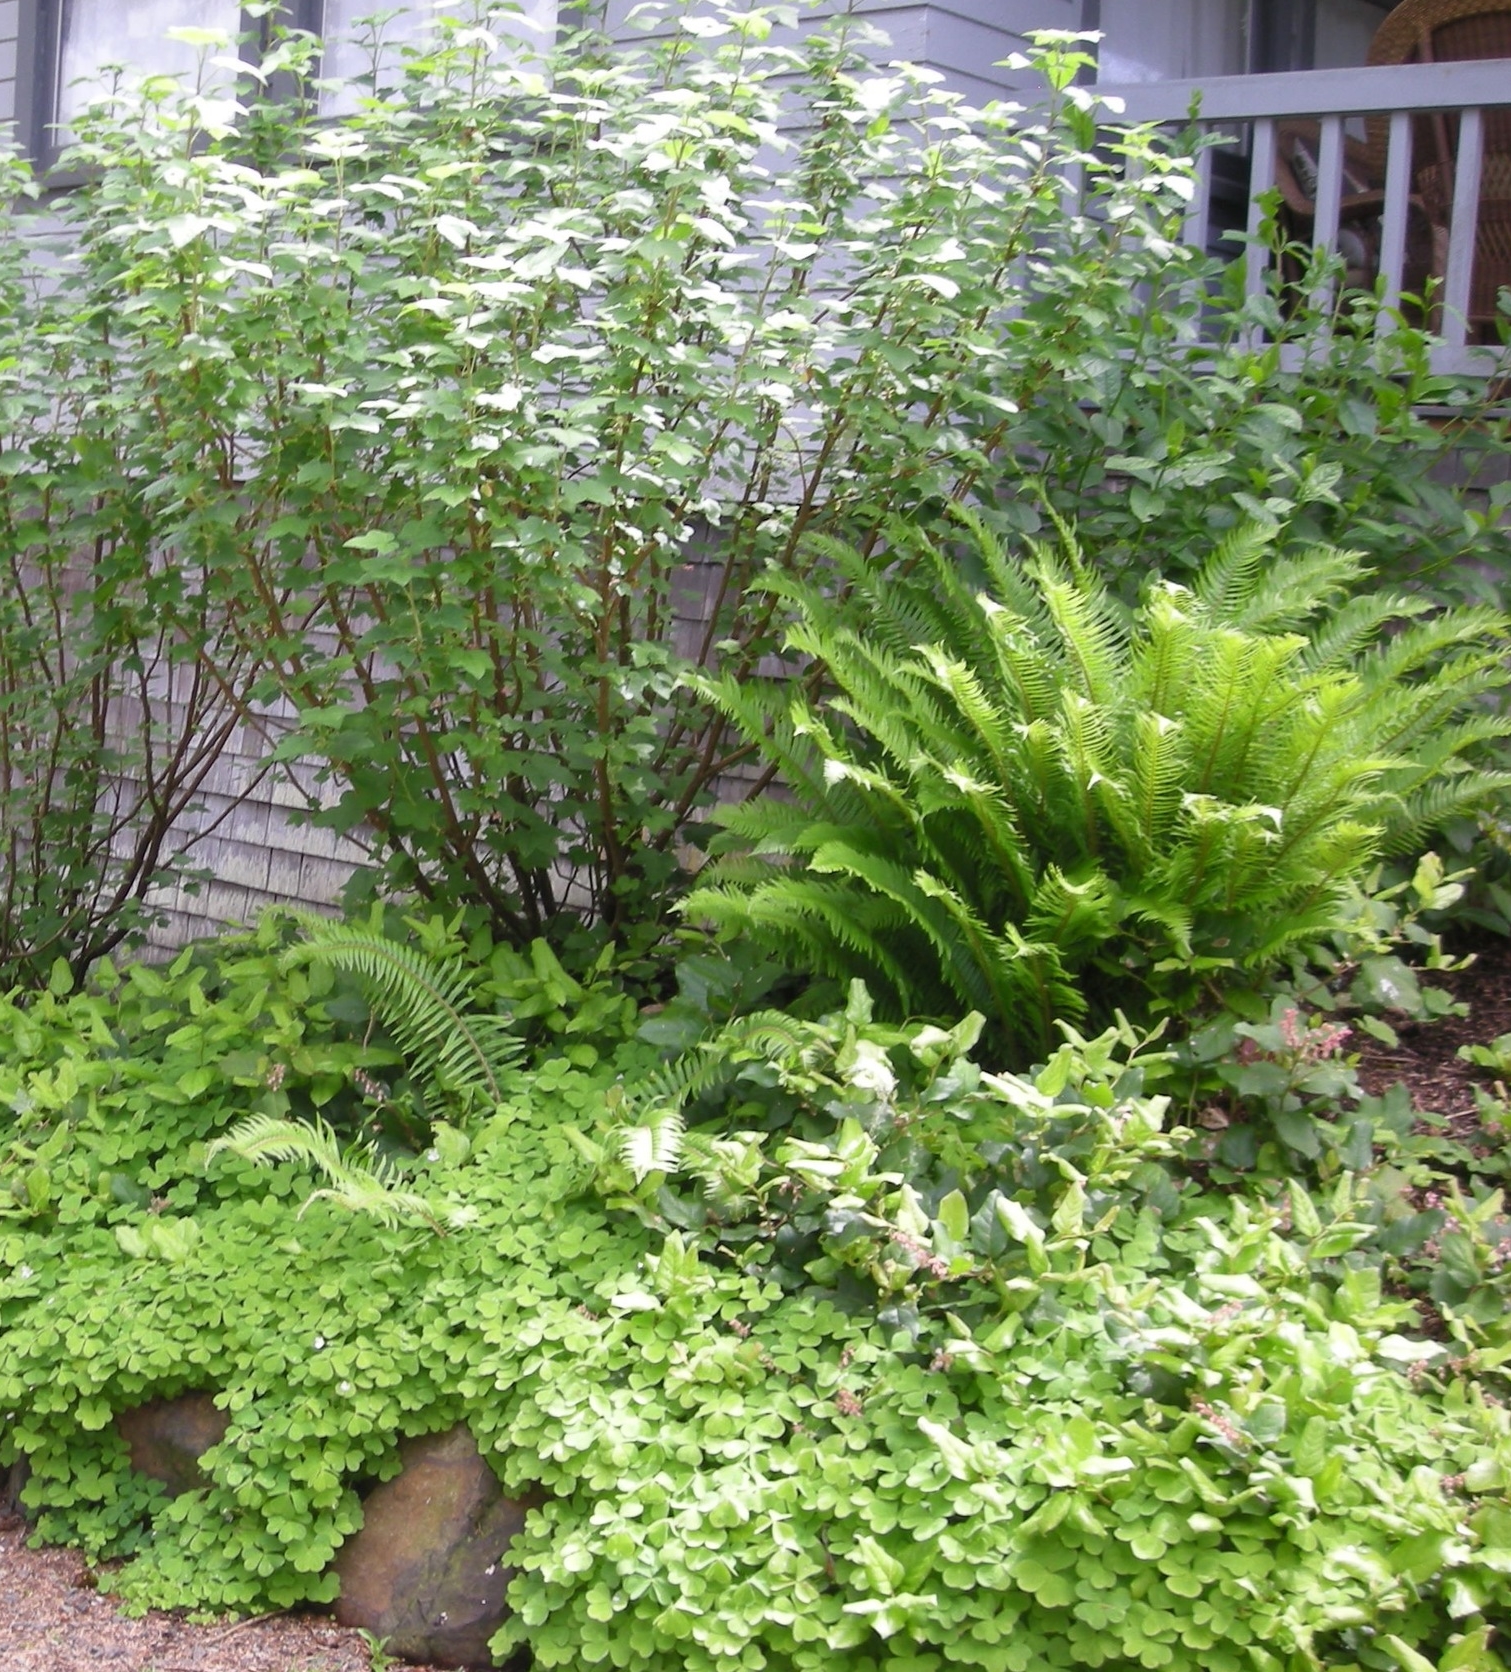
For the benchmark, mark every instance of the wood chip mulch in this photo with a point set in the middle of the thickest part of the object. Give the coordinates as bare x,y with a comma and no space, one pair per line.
52,1619
1427,1059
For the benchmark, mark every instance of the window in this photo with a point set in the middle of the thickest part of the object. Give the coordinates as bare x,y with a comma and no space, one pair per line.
350,49
70,41
1169,40
95,32
1174,40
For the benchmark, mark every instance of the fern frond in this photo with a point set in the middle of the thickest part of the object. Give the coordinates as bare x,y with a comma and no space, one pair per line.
1162,661
1427,810
1353,626
360,1180
1070,914
1225,584
1160,763
1424,643
763,1035
423,1004
653,1145
1029,674
1014,774
263,1139
1090,629
1295,589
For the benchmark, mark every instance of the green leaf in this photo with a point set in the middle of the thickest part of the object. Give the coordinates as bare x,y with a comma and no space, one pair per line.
1303,1211
955,1217
1387,983
1405,1656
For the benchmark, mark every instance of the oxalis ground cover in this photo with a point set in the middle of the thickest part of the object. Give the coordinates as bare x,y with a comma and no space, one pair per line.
826,1347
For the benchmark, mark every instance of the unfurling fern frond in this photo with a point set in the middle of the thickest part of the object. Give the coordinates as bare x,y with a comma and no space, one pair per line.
359,1180
449,1048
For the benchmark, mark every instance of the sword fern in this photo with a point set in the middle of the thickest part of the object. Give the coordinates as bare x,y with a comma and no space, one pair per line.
1019,796
450,1049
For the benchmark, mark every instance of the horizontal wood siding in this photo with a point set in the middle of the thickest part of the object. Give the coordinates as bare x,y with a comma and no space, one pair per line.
10,29
965,40
968,39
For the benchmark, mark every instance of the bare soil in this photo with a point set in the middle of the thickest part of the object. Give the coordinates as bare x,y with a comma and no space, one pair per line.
1427,1059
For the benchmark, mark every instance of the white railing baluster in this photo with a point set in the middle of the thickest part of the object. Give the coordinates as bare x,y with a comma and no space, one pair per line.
1329,183
1403,93
1194,228
1196,225
1073,189
1261,180
1466,209
1397,212
1329,196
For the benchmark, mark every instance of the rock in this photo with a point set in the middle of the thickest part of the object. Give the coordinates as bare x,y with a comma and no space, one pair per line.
427,1570
12,1482
167,1437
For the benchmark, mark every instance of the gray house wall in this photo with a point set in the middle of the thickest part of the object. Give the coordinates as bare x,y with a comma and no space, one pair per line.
965,40
960,38
10,29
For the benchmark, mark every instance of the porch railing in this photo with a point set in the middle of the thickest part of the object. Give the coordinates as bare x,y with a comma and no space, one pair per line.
1397,93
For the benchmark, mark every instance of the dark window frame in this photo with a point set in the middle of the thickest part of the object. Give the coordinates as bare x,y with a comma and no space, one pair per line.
39,42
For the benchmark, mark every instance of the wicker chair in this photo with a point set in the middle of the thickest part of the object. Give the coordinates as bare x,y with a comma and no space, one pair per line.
1297,149
1437,31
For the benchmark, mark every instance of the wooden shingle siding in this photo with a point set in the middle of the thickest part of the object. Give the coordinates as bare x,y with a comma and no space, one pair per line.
255,856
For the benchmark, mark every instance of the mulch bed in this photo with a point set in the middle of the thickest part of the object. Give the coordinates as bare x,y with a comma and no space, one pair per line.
1427,1059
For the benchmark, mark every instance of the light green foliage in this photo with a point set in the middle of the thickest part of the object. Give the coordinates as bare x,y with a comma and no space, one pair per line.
1496,1056
903,1365
118,1192
1012,793
360,1181
154,1061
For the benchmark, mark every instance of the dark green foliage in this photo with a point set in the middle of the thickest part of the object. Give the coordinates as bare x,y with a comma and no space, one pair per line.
465,406
1156,450
438,426
1018,796
119,696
